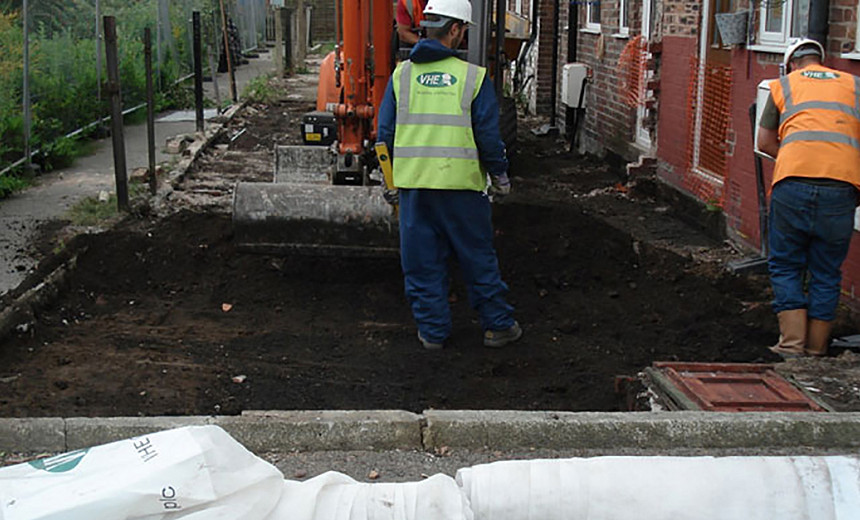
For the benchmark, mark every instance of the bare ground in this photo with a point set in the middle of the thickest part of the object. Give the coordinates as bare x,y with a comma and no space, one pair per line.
163,316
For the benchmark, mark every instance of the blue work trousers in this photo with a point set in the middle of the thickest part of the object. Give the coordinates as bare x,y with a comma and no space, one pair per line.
810,231
434,224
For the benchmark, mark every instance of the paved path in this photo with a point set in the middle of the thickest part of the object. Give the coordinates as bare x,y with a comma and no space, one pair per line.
56,192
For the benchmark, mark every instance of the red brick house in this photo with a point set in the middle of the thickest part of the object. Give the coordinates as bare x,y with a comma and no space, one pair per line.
695,119
705,137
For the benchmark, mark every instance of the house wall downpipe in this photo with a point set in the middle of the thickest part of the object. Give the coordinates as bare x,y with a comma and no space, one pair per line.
819,13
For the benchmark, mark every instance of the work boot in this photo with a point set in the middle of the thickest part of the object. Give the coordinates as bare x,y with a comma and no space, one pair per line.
792,334
818,337
429,345
500,338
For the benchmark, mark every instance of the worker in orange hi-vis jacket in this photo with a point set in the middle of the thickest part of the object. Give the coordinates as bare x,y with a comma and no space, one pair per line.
409,16
811,125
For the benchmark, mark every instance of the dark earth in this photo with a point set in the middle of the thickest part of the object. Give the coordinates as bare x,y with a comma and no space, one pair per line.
162,316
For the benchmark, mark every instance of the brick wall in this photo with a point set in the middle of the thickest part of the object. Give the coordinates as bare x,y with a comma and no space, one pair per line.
679,27
322,21
681,18
544,102
673,130
609,124
843,24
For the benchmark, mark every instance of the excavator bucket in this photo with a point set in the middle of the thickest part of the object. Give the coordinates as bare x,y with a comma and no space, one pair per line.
302,212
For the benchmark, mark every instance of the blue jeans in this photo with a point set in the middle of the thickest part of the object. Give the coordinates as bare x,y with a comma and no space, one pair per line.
434,224
810,231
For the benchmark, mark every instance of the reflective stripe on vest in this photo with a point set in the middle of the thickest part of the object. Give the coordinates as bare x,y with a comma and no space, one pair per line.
791,108
463,119
819,125
434,145
410,8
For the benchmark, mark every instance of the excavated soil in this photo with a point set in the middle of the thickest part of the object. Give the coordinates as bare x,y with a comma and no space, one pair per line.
162,316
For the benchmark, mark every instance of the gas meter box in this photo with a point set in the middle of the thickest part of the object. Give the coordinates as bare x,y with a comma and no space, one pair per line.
761,95
319,128
573,79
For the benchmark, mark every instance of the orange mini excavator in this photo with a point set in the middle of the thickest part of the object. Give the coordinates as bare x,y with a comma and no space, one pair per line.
325,197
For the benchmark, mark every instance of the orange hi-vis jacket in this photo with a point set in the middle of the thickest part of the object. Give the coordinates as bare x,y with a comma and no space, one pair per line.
415,10
819,125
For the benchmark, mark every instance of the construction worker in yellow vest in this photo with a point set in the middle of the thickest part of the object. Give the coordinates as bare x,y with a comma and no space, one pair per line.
440,118
811,125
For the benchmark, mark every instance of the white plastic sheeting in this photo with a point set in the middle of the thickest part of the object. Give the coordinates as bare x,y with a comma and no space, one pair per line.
192,473
201,473
664,488
334,496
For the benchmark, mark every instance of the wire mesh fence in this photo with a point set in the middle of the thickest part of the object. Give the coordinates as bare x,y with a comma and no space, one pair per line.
62,53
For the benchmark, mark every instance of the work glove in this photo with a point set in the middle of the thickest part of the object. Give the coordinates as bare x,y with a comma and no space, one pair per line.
500,186
391,196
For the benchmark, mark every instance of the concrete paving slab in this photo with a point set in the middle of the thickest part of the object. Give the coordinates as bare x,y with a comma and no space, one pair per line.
179,116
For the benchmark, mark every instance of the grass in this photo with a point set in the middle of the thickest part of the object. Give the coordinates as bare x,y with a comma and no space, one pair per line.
10,184
93,212
261,90
324,49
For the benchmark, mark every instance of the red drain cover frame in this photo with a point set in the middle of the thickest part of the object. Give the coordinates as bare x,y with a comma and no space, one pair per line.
737,387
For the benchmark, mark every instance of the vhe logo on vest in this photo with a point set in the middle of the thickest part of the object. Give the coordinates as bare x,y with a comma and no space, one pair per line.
819,74
436,79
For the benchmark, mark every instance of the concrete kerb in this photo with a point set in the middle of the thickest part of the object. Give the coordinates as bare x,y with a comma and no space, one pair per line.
381,430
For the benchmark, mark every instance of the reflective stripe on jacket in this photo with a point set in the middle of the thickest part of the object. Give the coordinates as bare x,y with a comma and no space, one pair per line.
434,145
415,10
819,125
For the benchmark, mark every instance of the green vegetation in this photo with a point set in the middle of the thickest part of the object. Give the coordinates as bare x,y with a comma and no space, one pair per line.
64,88
10,184
92,212
261,90
323,49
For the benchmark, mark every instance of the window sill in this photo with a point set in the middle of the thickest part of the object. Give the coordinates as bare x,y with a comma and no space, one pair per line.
771,48
850,55
621,36
590,30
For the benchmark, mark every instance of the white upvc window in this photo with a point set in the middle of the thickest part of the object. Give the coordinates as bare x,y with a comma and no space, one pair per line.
518,7
623,24
781,20
592,15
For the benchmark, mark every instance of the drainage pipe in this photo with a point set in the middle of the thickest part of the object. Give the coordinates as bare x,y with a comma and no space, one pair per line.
819,13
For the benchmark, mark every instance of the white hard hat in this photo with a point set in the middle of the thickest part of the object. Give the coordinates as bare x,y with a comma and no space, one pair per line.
456,9
802,47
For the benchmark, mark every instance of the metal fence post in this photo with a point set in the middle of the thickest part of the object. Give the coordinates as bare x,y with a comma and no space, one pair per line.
117,138
26,85
232,78
287,23
198,70
150,110
278,51
99,64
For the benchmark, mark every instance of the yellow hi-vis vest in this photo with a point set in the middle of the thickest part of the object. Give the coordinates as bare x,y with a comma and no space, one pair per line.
819,125
434,146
